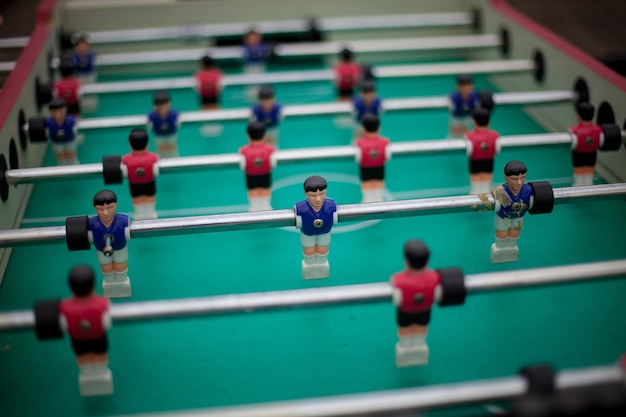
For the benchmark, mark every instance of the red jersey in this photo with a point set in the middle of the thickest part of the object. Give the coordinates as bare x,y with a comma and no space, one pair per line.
483,144
67,90
84,316
372,151
347,75
418,290
140,167
258,158
208,82
587,137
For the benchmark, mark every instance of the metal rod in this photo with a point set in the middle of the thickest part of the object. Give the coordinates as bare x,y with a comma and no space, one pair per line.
377,292
7,66
300,49
17,42
407,400
422,70
421,103
286,218
283,26
173,165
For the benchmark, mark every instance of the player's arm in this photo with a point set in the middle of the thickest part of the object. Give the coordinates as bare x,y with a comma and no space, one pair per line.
298,219
469,146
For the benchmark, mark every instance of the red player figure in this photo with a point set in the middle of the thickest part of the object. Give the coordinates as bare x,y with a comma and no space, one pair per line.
85,317
347,75
414,292
141,168
372,154
482,146
588,138
208,83
258,160
68,86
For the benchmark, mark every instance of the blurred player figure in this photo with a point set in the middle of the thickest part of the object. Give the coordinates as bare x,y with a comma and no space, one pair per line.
482,146
588,139
164,122
347,75
372,154
258,160
141,168
255,52
462,102
62,130
368,102
209,83
84,59
268,112
68,87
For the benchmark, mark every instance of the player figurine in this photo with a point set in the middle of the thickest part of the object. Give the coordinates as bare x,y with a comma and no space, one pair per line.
367,103
110,232
315,217
84,59
462,102
141,168
372,154
164,122
255,52
268,112
588,138
482,146
208,83
414,292
68,87
85,317
62,130
347,75
513,199
258,160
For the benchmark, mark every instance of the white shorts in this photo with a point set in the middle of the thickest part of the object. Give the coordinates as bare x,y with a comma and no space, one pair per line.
64,147
503,225
88,79
119,256
254,68
166,140
310,241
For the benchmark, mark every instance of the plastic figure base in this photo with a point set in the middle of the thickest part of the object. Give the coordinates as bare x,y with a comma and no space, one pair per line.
99,382
503,255
315,271
480,188
259,204
144,213
584,179
411,356
116,289
372,196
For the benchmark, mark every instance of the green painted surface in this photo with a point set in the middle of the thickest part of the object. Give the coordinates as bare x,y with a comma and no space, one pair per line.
317,351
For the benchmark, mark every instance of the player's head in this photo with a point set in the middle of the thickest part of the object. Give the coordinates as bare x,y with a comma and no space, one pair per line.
252,37
368,87
57,103
514,168
138,139
585,111
346,55
161,98
370,123
66,67
256,131
266,93
416,253
81,43
315,183
367,73
104,197
207,62
82,280
464,79
480,117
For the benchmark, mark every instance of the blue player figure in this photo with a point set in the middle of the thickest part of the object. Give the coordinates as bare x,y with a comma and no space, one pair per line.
315,217
255,52
513,199
367,103
62,130
268,112
109,232
462,102
164,122
84,59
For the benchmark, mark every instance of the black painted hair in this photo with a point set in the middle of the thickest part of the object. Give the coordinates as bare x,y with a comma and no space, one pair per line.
104,197
82,280
138,139
481,116
315,183
207,61
368,86
514,168
416,253
266,92
370,123
464,79
256,130
346,54
585,111
162,97
57,103
66,66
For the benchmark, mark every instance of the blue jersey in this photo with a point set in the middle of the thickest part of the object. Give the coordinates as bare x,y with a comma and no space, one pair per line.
256,54
63,133
461,107
513,206
361,109
115,232
164,127
84,64
270,118
316,222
